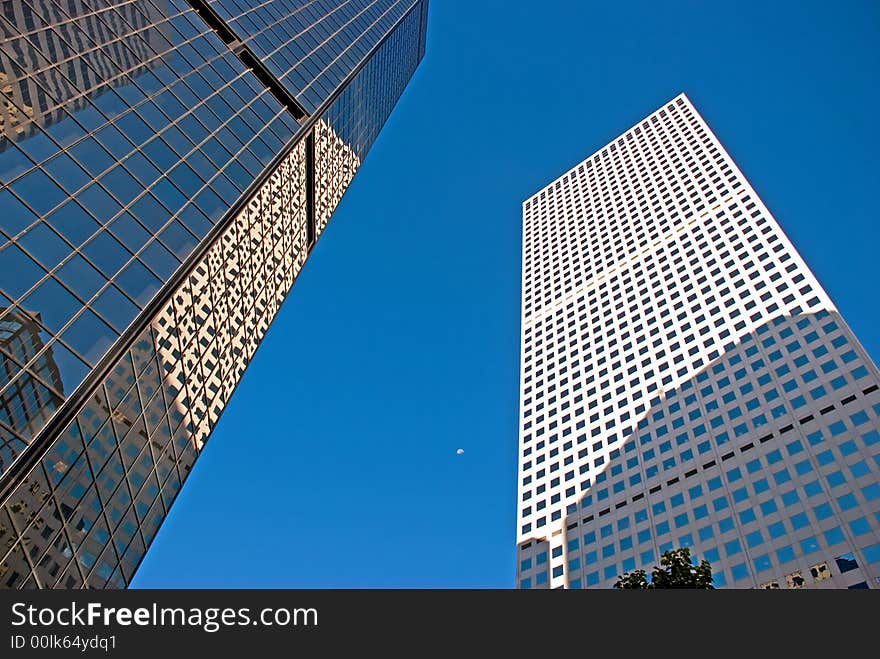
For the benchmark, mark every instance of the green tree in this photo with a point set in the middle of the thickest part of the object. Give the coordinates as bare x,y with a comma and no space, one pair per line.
675,571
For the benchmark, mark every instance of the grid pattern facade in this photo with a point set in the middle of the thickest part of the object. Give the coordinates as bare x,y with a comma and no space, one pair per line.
311,46
144,154
85,499
26,403
686,382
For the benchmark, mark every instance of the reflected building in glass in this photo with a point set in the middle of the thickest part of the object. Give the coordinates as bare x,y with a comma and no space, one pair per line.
685,381
31,402
36,94
166,168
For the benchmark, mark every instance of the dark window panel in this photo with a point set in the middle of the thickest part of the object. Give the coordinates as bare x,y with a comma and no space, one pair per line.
142,352
149,212
105,460
126,529
120,183
166,192
44,245
54,304
18,271
64,453
134,128
154,117
115,142
142,169
106,253
160,154
71,368
39,191
120,499
109,104
138,283
226,189
194,219
120,381
80,277
72,222
38,146
115,308
159,260
76,486
152,520
89,336
71,577
65,130
104,574
218,154
13,162
11,444
132,556
92,156
199,163
92,420
129,232
176,238
210,204
67,173
34,502
56,559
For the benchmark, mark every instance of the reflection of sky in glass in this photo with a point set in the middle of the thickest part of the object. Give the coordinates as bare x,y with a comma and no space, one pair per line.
312,48
125,134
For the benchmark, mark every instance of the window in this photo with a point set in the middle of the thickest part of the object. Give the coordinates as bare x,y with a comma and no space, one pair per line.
785,554
820,572
872,553
739,572
871,492
809,545
859,526
754,539
762,563
799,521
846,563
835,478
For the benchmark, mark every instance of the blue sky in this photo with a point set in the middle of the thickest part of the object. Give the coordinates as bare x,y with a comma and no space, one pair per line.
334,464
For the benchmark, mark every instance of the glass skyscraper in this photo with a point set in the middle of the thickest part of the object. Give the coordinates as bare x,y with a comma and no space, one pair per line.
166,166
685,381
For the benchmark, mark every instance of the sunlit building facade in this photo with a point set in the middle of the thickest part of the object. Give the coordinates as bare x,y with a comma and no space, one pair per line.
685,381
166,166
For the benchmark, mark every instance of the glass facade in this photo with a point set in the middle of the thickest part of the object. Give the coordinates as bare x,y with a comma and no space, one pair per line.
160,196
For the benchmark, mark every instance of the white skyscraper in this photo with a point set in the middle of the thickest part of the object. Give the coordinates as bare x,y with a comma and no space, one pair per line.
685,381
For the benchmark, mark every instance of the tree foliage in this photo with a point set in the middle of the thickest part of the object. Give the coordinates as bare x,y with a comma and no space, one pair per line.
675,571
